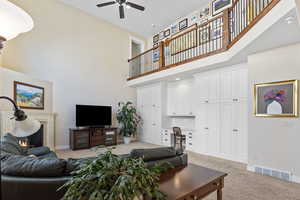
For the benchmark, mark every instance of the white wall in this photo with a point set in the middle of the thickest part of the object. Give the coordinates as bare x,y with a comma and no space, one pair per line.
84,57
274,142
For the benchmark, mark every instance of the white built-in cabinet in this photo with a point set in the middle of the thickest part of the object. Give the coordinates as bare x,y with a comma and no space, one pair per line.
221,118
149,106
180,98
216,101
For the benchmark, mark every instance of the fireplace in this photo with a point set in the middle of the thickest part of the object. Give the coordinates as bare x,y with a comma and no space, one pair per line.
46,119
35,140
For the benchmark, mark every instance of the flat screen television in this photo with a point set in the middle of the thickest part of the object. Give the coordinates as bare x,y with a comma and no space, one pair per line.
93,116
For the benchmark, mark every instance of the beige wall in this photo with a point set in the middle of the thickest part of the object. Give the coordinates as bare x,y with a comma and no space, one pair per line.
84,57
298,6
274,142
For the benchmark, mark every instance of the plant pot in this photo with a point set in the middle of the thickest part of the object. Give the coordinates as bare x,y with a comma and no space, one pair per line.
274,108
127,140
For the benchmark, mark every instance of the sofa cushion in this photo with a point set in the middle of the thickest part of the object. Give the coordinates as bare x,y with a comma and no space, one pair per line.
25,166
38,151
10,144
153,154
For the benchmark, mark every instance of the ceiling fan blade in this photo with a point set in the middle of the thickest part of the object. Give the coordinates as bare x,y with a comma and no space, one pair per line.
122,13
133,5
106,4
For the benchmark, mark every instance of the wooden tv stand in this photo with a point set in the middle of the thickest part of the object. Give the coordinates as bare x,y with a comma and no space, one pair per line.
89,137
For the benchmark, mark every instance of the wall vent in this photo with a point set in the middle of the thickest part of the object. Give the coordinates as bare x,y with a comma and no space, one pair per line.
287,176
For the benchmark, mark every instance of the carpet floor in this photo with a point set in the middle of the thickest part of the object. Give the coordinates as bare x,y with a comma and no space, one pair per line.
240,184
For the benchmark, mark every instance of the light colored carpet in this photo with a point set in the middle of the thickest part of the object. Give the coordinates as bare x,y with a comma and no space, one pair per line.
240,184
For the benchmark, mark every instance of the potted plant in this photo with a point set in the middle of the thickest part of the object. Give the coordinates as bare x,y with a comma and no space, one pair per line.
109,177
128,119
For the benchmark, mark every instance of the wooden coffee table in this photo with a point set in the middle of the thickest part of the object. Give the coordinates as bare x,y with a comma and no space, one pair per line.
192,183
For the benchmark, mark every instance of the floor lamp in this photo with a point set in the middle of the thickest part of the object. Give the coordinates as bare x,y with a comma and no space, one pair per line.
24,126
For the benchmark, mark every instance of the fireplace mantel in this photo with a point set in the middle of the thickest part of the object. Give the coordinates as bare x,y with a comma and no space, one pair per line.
48,119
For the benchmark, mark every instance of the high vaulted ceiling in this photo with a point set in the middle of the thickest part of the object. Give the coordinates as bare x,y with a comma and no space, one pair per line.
161,13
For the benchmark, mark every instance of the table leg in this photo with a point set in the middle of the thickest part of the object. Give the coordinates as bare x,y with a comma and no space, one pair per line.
219,194
219,191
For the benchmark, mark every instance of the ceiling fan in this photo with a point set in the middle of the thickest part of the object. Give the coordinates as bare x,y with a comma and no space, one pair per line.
121,6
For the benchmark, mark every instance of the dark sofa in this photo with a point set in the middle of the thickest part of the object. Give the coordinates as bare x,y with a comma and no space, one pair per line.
25,177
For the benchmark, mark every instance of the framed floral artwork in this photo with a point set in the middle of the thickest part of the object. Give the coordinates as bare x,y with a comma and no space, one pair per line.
276,99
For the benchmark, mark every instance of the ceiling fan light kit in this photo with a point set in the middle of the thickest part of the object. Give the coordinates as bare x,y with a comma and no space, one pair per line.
121,6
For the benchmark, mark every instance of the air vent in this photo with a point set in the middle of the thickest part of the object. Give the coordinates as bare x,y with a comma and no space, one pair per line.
287,176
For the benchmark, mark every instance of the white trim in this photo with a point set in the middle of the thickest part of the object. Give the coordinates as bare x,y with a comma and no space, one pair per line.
62,147
138,41
295,179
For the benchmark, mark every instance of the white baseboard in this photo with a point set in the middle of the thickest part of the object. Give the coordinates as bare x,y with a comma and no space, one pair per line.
62,147
295,179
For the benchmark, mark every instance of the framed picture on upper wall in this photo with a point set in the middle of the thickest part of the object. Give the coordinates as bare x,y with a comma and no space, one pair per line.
28,96
217,6
183,24
155,39
167,33
276,99
174,29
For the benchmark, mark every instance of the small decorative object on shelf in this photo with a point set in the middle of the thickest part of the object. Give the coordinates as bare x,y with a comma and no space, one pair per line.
204,14
183,24
217,6
276,99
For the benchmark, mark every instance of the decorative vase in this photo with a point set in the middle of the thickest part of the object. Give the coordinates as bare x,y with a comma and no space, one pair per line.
127,140
274,108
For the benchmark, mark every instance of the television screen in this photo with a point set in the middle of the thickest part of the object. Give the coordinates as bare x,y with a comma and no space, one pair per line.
87,115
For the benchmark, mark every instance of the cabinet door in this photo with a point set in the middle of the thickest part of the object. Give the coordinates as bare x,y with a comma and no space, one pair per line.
171,99
240,84
213,87
239,137
202,128
226,85
226,129
213,128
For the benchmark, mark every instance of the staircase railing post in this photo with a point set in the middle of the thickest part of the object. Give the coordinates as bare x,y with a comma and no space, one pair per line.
226,29
162,55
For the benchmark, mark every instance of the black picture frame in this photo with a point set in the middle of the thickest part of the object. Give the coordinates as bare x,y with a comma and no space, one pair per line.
155,38
183,24
167,33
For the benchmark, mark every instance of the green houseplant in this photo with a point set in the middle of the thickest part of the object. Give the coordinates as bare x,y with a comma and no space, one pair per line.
110,177
128,119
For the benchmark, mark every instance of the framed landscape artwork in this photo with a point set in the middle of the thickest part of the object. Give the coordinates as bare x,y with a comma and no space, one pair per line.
218,6
28,96
155,38
276,99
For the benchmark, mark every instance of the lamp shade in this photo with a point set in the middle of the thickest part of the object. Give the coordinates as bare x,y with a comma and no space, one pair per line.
13,20
26,127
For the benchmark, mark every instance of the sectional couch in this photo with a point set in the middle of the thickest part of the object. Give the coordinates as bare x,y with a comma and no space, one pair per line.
37,173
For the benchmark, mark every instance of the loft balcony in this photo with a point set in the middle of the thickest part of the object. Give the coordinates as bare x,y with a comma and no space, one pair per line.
213,38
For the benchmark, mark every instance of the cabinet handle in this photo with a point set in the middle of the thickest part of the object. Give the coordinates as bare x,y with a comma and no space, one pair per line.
190,137
191,113
235,99
206,101
235,130
153,105
190,144
206,128
190,134
174,113
153,124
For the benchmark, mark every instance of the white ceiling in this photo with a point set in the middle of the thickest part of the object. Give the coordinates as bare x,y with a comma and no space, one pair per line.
159,12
